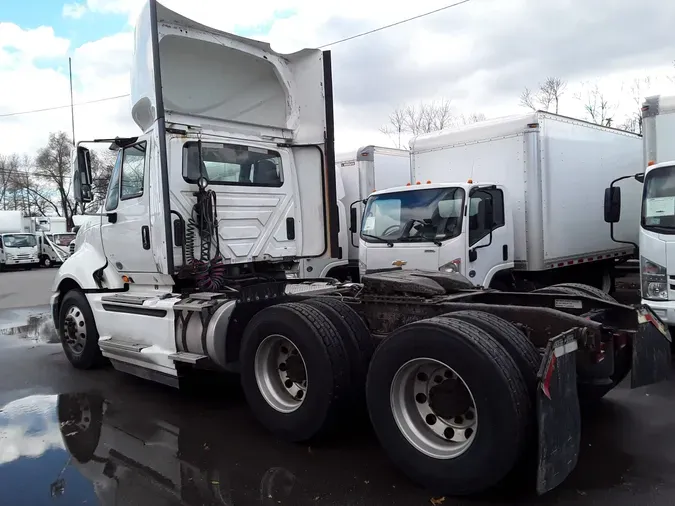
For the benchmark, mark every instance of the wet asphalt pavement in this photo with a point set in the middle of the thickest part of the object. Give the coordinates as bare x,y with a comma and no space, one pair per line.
73,437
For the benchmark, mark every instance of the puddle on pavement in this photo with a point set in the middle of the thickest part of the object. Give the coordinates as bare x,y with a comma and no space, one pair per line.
81,449
36,325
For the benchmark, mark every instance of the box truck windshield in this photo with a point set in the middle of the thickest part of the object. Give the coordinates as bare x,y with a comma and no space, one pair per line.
19,240
430,215
658,210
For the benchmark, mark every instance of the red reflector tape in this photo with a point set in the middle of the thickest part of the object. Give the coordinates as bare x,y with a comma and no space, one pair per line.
546,384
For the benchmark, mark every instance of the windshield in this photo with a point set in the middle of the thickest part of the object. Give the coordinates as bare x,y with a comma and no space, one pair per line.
63,239
19,240
426,215
658,206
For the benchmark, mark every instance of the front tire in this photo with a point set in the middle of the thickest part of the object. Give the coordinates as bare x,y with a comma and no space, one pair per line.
418,421
78,333
294,371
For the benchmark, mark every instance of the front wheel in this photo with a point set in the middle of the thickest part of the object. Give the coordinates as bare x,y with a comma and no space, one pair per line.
77,330
448,405
47,262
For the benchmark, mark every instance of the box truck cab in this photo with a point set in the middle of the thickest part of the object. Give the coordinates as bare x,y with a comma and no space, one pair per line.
439,227
18,244
657,218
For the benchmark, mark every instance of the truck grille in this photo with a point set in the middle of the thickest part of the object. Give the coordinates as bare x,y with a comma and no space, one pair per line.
71,248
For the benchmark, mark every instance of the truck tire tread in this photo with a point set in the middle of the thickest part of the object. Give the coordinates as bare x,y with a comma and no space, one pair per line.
473,471
515,342
360,344
587,289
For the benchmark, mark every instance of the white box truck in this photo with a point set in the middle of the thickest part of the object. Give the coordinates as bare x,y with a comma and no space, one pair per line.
186,268
655,223
362,172
542,175
18,244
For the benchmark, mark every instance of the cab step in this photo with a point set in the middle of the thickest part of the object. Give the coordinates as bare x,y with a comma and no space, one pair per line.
188,358
116,345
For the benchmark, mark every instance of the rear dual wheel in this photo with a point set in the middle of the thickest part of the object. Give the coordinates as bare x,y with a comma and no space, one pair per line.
303,365
449,405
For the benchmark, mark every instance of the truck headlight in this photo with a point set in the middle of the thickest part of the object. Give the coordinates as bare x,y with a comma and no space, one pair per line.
453,266
654,280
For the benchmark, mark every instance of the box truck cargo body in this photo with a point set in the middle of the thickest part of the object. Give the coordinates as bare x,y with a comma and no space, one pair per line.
554,171
362,172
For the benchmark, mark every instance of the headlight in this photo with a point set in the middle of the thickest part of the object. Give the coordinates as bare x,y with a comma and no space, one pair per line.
654,280
454,266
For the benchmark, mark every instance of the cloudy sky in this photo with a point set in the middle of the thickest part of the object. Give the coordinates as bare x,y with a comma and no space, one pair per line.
478,55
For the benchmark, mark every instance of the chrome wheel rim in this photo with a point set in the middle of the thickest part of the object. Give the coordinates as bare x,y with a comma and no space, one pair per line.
75,330
434,408
281,373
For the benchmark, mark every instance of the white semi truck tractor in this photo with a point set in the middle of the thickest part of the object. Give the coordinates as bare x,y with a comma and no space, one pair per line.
230,184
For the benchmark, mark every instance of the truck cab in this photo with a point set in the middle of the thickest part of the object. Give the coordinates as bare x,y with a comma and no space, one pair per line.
451,227
18,250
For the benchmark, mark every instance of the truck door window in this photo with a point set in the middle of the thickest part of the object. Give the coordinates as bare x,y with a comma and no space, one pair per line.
232,164
133,170
113,196
478,202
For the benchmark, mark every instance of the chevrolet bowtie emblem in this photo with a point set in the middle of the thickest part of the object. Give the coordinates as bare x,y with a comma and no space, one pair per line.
399,263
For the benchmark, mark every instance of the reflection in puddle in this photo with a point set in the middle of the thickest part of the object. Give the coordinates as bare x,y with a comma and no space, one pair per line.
80,449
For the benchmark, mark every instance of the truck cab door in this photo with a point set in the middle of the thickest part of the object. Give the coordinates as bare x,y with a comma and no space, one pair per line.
125,223
489,235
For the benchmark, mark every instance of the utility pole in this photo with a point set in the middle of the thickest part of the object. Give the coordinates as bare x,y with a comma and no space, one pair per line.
72,106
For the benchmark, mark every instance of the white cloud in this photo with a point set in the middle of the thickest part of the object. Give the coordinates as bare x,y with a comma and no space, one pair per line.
74,11
478,55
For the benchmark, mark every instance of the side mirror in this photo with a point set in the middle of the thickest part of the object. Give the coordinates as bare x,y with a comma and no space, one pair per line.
82,176
352,220
640,178
612,204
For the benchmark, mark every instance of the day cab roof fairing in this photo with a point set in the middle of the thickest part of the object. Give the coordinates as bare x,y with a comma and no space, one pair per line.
209,77
223,84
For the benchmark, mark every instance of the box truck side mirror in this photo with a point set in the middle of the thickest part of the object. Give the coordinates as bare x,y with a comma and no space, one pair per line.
82,176
352,220
612,204
640,178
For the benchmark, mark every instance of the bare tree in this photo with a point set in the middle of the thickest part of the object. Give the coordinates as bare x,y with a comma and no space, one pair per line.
633,121
396,127
475,117
547,95
53,167
597,105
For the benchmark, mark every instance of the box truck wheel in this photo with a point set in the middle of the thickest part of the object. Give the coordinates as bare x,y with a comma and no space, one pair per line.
449,405
295,371
357,340
78,333
515,342
80,419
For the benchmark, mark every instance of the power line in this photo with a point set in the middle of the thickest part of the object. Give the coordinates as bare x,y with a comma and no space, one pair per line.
394,24
63,106
352,37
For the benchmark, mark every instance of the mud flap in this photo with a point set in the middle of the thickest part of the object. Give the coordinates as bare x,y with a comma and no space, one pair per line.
651,350
559,421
